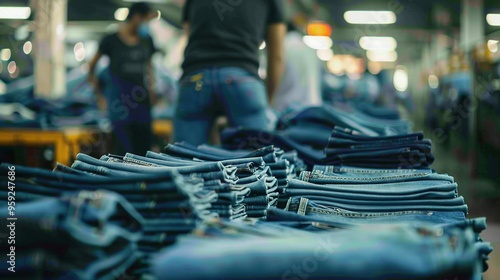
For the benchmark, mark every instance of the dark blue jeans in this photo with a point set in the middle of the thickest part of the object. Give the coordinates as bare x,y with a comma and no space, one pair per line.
207,93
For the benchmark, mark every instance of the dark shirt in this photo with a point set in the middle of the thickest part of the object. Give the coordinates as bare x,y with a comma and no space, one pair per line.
126,61
228,33
125,88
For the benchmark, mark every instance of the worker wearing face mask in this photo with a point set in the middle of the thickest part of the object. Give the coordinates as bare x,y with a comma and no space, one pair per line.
129,92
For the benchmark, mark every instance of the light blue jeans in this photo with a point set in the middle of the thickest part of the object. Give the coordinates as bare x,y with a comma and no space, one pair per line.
208,93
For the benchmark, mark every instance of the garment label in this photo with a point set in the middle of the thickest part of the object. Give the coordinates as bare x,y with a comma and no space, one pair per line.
302,206
196,77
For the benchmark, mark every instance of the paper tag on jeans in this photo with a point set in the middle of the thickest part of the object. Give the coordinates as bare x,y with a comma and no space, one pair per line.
302,206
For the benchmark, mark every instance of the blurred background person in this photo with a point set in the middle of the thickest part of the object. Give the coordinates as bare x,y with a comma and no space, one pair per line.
130,92
221,65
300,85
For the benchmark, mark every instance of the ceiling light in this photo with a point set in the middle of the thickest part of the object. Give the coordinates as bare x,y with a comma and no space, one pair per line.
5,54
370,17
78,47
378,43
121,14
401,79
325,55
15,12
493,19
79,50
263,45
433,81
159,14
493,46
382,56
12,67
27,47
318,42
319,29
336,66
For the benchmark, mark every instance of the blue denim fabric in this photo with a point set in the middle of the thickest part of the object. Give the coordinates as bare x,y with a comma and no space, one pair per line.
401,188
319,177
227,173
377,111
184,150
240,138
358,171
207,93
92,218
311,211
391,252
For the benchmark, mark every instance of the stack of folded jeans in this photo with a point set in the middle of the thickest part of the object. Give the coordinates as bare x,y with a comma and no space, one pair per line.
375,197
269,171
346,117
83,235
232,197
233,138
169,203
378,111
228,193
408,151
402,251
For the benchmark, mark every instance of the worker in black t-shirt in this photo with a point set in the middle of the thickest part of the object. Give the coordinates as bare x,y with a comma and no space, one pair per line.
130,92
221,64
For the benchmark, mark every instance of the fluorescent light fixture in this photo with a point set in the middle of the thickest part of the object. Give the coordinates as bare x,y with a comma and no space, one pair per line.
325,55
5,54
15,12
121,14
370,17
493,46
382,56
79,50
493,19
78,46
401,79
318,42
263,45
378,43
336,65
12,67
27,47
433,81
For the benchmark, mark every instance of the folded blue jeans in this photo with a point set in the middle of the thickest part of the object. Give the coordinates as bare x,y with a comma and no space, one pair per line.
408,252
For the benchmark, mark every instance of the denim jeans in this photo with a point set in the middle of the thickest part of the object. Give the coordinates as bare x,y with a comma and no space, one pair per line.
227,173
210,92
329,117
237,138
358,171
319,177
311,211
396,189
92,218
390,252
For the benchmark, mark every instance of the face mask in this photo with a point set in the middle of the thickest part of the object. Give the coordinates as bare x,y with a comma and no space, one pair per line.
143,30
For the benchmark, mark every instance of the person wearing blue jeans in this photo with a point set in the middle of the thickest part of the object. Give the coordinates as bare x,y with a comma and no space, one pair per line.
221,65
